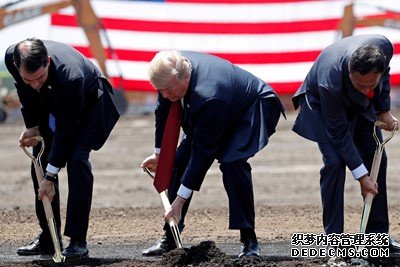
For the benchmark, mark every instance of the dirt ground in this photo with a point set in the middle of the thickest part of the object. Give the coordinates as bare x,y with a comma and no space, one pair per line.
127,214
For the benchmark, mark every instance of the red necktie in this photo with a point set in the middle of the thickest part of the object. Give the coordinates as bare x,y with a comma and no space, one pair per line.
168,148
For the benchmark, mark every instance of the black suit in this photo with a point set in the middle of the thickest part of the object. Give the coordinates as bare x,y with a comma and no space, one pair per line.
81,101
341,120
228,115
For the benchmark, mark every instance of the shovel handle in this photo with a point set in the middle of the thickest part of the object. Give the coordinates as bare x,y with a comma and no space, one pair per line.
36,160
37,137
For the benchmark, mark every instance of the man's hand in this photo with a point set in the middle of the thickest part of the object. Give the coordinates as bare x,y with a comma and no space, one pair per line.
389,121
25,137
46,188
175,210
367,186
150,162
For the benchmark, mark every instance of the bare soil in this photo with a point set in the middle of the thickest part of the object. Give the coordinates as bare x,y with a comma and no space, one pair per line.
127,214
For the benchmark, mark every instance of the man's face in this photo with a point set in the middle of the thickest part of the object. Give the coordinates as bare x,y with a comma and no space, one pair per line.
175,89
35,79
365,83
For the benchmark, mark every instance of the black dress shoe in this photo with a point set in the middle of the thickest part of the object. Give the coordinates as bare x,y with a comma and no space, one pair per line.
163,245
36,248
249,248
394,246
76,250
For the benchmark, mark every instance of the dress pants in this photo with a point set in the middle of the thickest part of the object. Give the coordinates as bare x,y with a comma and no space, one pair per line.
332,180
80,191
236,176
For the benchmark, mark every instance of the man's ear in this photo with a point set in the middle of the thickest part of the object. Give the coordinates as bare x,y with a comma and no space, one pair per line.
15,64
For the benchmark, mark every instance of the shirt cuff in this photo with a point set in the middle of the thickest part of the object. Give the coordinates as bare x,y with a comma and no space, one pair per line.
359,172
51,169
184,192
157,150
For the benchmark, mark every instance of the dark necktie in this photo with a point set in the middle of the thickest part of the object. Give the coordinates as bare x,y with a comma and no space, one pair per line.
168,148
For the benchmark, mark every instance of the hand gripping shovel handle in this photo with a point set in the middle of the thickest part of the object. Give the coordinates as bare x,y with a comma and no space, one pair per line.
172,224
376,163
58,257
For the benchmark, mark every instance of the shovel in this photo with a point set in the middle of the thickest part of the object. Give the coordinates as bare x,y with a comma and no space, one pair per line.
58,257
172,224
374,173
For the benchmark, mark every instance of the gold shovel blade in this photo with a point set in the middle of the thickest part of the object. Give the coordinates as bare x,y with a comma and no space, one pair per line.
58,257
176,234
364,218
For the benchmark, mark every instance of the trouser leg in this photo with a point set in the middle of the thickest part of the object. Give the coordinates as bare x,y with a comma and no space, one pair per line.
80,190
237,181
332,179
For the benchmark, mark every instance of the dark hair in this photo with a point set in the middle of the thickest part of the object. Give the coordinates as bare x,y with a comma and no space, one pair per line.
31,54
368,58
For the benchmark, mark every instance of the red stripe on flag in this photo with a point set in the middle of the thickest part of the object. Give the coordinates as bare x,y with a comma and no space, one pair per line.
204,27
396,48
395,79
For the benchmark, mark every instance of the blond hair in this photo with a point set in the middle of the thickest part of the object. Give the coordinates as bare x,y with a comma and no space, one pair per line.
166,65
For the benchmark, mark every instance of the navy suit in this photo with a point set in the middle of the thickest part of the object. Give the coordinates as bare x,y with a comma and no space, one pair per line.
341,120
228,115
80,99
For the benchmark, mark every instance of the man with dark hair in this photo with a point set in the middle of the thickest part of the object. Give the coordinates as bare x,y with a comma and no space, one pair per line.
67,101
345,92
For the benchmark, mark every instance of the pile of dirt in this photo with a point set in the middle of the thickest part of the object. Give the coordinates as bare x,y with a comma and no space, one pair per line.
207,254
206,251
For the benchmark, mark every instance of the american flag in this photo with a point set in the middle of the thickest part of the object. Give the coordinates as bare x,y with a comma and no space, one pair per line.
277,40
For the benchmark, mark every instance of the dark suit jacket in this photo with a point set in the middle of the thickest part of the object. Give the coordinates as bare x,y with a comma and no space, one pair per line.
330,103
224,115
77,95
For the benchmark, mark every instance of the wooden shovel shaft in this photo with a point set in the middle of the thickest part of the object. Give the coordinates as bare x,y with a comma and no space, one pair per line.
376,163
46,202
370,197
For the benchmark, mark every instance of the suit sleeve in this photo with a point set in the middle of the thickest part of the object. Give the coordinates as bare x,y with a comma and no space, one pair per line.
207,136
334,114
69,102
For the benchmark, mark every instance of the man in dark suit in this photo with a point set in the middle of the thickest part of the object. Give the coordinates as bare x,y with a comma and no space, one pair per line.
67,100
345,92
228,115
